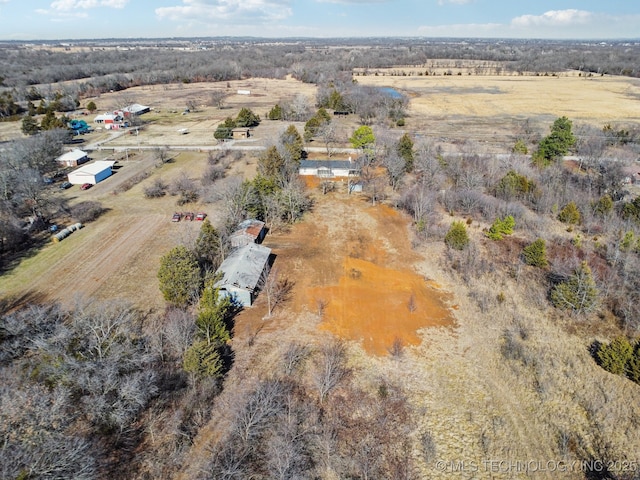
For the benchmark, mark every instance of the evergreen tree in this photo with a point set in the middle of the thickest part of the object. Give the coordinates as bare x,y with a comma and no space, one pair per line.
271,163
179,276
208,246
203,359
570,214
311,128
501,227
246,118
214,316
224,130
405,150
293,143
91,106
603,206
578,293
513,185
457,237
535,254
30,125
615,356
49,122
275,113
633,365
556,144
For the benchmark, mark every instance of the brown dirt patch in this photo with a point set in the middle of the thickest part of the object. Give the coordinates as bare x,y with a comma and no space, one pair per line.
379,305
351,264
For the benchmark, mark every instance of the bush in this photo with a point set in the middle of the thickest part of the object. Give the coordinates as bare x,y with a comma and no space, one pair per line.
535,254
156,190
457,237
615,356
578,293
87,211
501,228
570,214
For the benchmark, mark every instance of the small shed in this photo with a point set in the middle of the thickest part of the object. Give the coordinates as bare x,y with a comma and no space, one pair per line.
240,132
92,172
242,272
73,158
248,231
328,168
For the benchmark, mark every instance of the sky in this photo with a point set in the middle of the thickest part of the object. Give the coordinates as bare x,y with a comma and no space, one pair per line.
85,19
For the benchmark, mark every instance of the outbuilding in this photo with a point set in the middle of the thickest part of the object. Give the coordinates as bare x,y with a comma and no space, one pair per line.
240,132
92,172
242,273
73,158
248,231
136,109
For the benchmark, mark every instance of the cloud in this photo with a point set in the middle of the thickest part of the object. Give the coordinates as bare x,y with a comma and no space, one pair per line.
554,18
354,2
230,11
61,16
71,5
456,2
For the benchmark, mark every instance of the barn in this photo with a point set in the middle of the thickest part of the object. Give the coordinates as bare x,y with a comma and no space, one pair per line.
73,158
328,168
248,231
136,109
91,172
242,272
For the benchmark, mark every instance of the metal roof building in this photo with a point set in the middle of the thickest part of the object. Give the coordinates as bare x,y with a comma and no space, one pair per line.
242,271
248,231
91,172
73,158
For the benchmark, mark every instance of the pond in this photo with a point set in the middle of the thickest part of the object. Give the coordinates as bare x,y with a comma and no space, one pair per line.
392,92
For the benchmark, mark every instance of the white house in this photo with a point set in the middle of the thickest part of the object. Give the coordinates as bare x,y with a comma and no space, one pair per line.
91,172
242,272
107,118
328,168
73,158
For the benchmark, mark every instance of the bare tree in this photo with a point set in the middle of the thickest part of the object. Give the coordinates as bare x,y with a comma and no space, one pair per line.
161,155
276,289
217,98
328,134
330,368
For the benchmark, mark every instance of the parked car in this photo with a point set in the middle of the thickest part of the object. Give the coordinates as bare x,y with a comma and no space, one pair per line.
65,185
189,216
176,217
201,216
86,186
